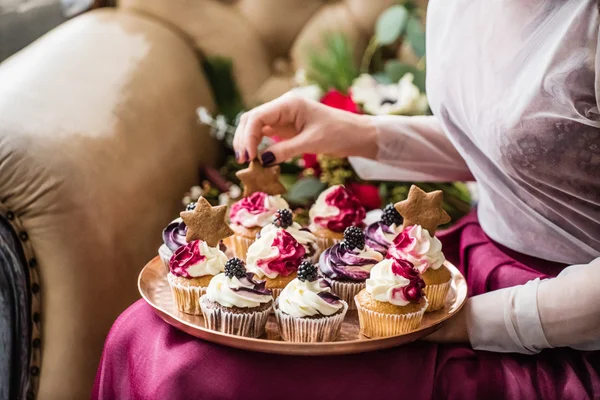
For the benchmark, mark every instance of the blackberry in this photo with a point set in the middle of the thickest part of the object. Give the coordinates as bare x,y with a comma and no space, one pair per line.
283,218
307,271
235,267
191,206
354,238
391,216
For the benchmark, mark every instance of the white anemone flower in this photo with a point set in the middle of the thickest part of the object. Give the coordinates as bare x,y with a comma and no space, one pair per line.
402,98
310,92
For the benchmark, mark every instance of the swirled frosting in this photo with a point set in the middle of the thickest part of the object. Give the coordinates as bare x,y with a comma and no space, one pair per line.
305,299
380,236
174,234
336,209
302,235
275,253
339,262
244,292
416,245
396,282
197,259
256,210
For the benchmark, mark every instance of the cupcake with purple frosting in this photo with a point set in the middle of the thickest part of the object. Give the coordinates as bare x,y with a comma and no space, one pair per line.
346,265
380,235
173,238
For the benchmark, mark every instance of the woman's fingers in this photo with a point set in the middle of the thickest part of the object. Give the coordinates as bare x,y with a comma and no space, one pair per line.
281,111
286,149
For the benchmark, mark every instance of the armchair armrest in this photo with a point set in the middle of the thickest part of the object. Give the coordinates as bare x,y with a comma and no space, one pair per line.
98,140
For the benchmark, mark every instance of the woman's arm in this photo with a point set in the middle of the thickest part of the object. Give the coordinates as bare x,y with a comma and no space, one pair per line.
558,312
412,149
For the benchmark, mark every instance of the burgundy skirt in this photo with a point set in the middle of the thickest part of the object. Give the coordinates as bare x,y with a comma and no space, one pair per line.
145,358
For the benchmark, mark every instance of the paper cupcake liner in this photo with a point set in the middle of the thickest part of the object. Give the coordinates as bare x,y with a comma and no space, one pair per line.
310,330
186,298
251,324
240,245
436,295
165,255
325,243
346,290
374,324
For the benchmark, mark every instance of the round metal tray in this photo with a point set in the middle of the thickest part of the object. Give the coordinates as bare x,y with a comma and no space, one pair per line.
154,288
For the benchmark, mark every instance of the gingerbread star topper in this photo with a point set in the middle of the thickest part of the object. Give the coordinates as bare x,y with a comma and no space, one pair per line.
206,223
257,178
422,208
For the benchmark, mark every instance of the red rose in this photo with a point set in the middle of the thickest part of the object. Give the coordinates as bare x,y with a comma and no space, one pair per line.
341,101
184,257
310,161
367,194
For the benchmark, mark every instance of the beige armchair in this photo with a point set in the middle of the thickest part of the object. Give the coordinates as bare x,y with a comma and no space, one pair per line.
99,139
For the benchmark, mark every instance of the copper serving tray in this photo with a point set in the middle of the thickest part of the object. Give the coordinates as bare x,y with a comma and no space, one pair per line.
154,288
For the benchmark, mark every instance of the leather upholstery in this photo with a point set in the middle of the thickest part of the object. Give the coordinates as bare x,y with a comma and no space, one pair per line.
266,39
98,141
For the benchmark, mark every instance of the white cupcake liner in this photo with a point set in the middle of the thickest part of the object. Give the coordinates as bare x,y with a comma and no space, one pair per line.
165,255
374,324
247,324
436,295
310,330
240,245
346,290
186,298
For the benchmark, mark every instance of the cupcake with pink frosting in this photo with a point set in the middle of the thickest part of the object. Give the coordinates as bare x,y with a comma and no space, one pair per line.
275,257
249,215
284,220
381,234
346,265
335,210
191,268
393,302
424,252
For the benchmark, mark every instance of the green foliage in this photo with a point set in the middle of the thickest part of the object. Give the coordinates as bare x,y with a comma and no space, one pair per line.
390,25
395,70
415,34
334,66
304,191
219,73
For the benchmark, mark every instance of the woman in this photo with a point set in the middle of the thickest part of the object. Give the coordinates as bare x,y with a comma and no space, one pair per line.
514,87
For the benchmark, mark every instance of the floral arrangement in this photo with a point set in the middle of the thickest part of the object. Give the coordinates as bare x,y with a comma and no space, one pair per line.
383,84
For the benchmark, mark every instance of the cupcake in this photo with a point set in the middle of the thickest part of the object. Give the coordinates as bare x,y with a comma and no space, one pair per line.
235,303
393,302
249,215
191,268
346,265
380,235
335,210
173,237
307,311
275,257
424,251
284,220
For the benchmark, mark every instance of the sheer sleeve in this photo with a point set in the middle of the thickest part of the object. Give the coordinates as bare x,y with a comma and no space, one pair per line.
558,312
412,149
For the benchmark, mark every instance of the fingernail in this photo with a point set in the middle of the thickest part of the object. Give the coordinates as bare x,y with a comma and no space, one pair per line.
267,158
237,156
247,156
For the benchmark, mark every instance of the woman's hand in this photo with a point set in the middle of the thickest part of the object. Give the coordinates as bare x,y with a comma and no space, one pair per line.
306,127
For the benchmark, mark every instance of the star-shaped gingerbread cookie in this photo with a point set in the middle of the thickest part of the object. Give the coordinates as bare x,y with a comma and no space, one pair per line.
422,208
206,223
257,178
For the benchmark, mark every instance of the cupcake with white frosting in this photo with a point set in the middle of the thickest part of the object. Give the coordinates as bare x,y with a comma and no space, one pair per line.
284,220
424,251
249,215
381,234
335,210
346,265
393,302
191,268
307,310
236,303
275,257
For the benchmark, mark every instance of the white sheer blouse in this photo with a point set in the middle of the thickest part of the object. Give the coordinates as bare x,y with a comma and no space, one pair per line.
514,87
